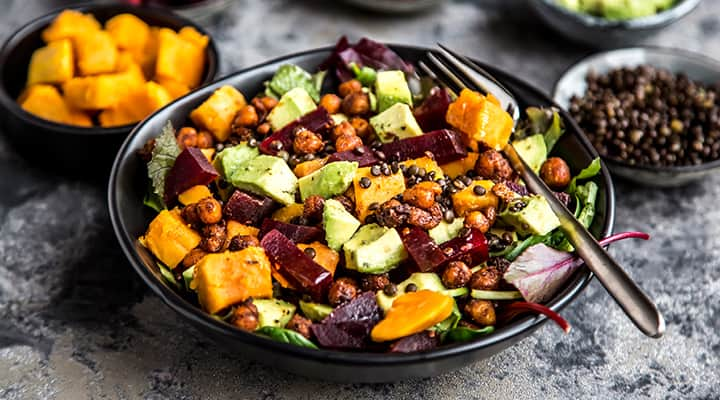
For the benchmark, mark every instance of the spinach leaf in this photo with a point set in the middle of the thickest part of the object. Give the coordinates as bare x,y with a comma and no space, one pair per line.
587,173
290,76
450,322
518,247
365,75
164,154
587,195
285,336
168,275
463,334
153,201
553,132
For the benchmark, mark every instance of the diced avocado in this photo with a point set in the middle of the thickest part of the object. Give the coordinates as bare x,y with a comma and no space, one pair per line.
445,231
423,281
374,250
292,105
273,312
663,5
315,311
330,180
573,5
500,232
268,176
391,88
339,224
232,158
395,122
533,151
535,218
627,9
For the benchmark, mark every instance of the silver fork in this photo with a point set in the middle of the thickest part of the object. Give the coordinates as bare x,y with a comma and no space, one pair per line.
633,301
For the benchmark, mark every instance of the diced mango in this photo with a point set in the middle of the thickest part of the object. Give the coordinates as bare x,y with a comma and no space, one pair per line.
46,102
382,188
194,194
175,88
324,256
179,58
466,200
53,63
96,53
228,278
169,238
459,167
426,163
308,167
287,213
235,228
69,24
136,106
218,111
128,32
479,119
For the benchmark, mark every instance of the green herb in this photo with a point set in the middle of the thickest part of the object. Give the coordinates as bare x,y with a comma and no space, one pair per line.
164,154
291,76
365,75
553,132
587,173
463,334
285,336
168,275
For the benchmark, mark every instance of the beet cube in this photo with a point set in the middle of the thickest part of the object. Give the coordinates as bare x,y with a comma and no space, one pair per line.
430,115
421,341
364,158
317,121
191,168
349,325
422,249
473,245
248,209
296,233
446,145
299,269
362,308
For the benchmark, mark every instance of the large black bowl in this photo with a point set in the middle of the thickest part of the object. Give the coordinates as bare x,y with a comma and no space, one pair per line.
66,148
128,183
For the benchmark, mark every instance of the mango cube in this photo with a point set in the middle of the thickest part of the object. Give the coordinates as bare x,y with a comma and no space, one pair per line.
70,24
137,105
217,112
179,58
128,32
46,102
53,63
169,238
96,53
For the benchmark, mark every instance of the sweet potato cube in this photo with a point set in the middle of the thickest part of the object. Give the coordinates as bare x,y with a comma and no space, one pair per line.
459,167
53,63
136,105
169,238
466,200
194,194
46,102
480,119
324,256
308,167
96,53
191,34
128,32
175,89
235,228
382,188
179,58
288,213
426,163
228,278
217,112
69,24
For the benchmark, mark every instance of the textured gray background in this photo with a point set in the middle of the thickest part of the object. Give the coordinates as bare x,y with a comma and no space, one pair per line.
77,323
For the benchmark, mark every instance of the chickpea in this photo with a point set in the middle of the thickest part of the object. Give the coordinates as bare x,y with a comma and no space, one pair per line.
209,210
331,103
423,194
245,316
357,103
493,165
456,275
214,237
247,117
307,142
300,325
343,129
555,173
187,137
487,278
241,242
361,125
490,214
190,214
313,208
348,142
477,220
205,140
268,102
481,311
342,291
263,128
373,283
348,87
193,257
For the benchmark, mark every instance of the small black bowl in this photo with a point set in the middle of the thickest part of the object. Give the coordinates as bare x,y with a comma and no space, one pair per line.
604,33
82,151
128,183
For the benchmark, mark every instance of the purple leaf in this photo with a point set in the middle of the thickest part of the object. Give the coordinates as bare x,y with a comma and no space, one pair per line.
364,53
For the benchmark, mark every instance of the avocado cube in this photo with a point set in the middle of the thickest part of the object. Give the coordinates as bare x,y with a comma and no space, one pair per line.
532,150
535,218
445,231
267,176
339,224
330,180
374,250
422,280
315,311
292,105
391,88
395,122
232,158
273,312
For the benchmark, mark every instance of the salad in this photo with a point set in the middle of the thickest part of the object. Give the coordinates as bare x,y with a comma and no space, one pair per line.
366,216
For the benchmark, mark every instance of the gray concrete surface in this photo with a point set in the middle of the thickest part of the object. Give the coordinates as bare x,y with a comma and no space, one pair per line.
77,323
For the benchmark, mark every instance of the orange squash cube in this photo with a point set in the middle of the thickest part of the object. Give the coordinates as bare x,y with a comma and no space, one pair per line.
136,105
128,32
96,53
382,188
179,58
92,93
169,238
324,256
480,119
53,63
69,24
235,228
175,88
194,194
459,167
465,201
228,278
412,313
288,213
218,111
192,35
46,102
426,163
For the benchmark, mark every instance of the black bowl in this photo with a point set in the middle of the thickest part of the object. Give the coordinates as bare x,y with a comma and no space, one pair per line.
604,33
129,218
66,148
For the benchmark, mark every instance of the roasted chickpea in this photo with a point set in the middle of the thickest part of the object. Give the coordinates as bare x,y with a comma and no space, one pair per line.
555,173
187,137
504,192
477,220
373,283
307,142
313,208
245,316
241,242
205,140
361,125
493,165
456,274
190,214
348,87
247,116
342,290
357,103
423,194
487,278
348,142
263,128
481,311
214,237
268,102
343,129
193,257
331,103
300,325
209,210
490,214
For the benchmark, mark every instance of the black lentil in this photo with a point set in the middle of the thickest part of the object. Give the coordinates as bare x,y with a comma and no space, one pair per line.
365,182
479,190
411,287
310,252
375,170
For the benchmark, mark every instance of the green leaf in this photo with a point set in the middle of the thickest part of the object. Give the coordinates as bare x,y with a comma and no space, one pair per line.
539,120
318,79
285,336
164,154
365,75
554,132
512,252
225,317
587,195
587,173
290,76
168,275
188,275
154,201
463,334
451,321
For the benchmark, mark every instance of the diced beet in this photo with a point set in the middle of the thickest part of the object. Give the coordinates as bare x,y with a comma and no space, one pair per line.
364,158
296,233
430,115
422,249
517,188
563,197
349,325
421,341
295,266
191,168
473,245
248,209
444,144
317,121
362,308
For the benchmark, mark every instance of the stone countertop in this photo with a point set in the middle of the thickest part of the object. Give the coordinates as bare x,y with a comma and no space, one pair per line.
77,323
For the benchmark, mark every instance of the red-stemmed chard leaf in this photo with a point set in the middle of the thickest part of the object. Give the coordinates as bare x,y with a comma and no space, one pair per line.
520,307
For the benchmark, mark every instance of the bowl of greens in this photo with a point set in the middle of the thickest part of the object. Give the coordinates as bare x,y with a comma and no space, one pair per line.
351,221
611,23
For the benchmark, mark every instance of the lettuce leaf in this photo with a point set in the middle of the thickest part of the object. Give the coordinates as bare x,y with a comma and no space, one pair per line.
164,154
285,336
290,76
587,173
463,334
553,132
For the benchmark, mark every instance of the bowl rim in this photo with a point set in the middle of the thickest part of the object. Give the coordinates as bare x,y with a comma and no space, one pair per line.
523,326
666,17
38,23
659,50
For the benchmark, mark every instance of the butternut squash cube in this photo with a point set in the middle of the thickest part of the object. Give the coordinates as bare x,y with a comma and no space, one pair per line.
96,53
228,278
128,32
192,35
426,163
69,24
46,102
175,88
287,213
93,92
53,63
465,201
308,167
459,167
382,188
169,238
235,228
324,256
480,119
136,105
217,112
194,194
179,58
